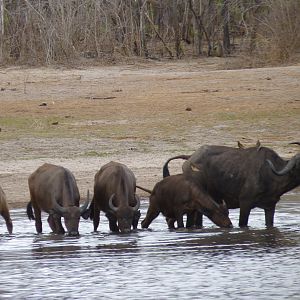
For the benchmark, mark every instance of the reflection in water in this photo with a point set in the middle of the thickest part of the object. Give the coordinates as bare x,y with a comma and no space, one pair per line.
254,263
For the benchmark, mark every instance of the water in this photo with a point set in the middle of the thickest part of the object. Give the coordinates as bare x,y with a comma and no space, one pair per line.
211,263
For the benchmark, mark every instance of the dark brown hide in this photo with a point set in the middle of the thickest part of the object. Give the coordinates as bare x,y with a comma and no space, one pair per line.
243,178
4,211
114,194
53,189
175,196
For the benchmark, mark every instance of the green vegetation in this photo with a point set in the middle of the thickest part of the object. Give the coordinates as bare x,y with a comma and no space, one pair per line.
96,154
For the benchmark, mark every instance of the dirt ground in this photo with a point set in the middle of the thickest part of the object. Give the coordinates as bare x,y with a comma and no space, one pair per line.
140,115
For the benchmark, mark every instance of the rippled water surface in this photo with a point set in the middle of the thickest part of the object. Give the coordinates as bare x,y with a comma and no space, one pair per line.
212,263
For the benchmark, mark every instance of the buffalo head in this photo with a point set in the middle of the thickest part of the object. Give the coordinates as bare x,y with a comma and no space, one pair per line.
125,214
71,216
217,213
220,215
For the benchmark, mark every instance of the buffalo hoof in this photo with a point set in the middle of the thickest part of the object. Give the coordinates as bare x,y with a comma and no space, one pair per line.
73,233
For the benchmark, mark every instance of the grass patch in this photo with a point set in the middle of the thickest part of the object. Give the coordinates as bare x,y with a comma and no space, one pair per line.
252,116
96,154
18,126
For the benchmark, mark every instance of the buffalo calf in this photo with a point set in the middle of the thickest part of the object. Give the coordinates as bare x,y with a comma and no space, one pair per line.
176,196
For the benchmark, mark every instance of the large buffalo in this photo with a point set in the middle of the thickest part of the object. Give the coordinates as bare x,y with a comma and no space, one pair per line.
175,196
244,178
4,211
114,194
53,189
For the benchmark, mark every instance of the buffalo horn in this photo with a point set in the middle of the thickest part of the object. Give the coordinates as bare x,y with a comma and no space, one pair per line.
84,207
295,143
59,209
224,204
289,166
138,202
110,203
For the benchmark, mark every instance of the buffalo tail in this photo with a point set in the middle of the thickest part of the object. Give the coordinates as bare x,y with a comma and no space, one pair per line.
144,189
91,209
166,172
30,211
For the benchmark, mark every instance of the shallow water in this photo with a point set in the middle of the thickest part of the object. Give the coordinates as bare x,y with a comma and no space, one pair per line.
254,263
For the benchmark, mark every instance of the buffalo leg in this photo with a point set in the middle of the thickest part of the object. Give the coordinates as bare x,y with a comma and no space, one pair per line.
51,223
269,216
152,213
170,222
5,214
96,218
38,219
58,225
244,215
136,218
194,219
112,220
180,223
198,219
190,219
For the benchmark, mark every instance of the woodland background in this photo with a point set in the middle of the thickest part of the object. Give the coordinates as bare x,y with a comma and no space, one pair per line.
41,32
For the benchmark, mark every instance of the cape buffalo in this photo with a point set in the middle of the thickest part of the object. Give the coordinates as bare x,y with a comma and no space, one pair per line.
53,189
4,211
243,177
114,194
176,196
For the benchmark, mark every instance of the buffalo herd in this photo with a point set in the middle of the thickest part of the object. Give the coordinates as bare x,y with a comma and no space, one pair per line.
213,180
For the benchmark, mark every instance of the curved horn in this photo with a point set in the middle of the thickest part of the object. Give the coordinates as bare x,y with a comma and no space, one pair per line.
59,209
289,166
84,207
295,143
110,203
138,202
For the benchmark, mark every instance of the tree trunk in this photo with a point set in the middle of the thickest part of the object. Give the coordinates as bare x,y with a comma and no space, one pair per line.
226,19
143,50
176,27
1,29
201,29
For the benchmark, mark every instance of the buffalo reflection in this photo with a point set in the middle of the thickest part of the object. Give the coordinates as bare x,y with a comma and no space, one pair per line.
54,246
238,239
